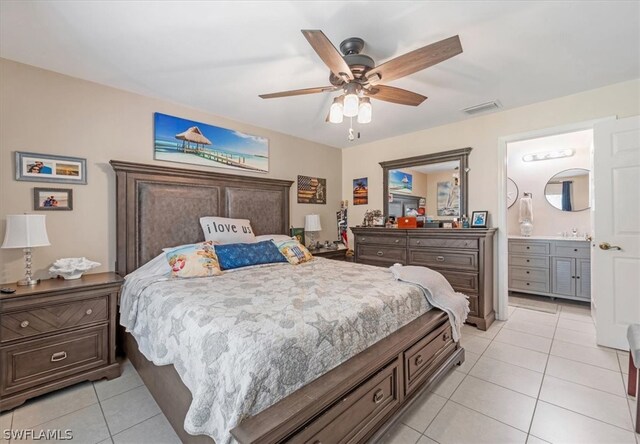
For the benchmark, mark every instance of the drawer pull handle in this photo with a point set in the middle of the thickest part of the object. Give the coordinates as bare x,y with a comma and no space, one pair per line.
528,260
418,242
397,240
364,239
577,277
528,272
59,356
89,311
380,253
440,258
528,248
419,360
528,283
445,336
575,249
378,396
24,324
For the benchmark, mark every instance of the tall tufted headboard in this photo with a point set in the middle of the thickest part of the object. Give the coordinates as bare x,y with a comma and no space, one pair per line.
158,207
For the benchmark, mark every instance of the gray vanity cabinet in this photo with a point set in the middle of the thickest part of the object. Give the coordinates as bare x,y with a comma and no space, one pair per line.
563,276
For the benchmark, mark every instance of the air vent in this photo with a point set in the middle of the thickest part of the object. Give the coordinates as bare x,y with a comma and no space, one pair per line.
483,107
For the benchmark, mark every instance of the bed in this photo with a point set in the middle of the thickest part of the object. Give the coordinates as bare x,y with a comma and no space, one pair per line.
371,344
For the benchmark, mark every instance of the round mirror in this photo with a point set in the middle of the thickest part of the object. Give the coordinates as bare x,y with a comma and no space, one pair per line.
512,192
569,190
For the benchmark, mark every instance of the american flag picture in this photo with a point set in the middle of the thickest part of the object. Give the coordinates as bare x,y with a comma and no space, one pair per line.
312,190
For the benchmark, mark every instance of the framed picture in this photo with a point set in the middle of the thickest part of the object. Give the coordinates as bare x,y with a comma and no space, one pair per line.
197,143
36,167
479,219
360,191
52,199
400,182
448,198
378,221
298,233
312,190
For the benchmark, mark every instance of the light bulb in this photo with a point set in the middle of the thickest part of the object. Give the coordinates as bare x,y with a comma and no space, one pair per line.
335,112
364,110
351,100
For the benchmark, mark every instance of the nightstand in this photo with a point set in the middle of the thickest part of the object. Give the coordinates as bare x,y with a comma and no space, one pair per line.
55,334
339,255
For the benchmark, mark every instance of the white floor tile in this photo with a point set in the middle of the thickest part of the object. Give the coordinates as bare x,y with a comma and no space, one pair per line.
519,356
399,434
535,440
86,425
511,309
507,406
546,331
558,425
570,324
470,359
508,375
489,333
590,402
129,379
586,354
53,405
585,374
449,384
129,408
423,411
5,424
426,440
456,424
535,317
576,314
576,337
155,430
475,344
524,340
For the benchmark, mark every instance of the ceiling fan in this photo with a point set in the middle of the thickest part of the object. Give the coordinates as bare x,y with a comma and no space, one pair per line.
359,79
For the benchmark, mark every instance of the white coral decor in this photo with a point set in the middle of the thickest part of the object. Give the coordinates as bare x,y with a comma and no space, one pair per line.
72,267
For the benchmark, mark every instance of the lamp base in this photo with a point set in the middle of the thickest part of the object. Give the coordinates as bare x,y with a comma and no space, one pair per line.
28,281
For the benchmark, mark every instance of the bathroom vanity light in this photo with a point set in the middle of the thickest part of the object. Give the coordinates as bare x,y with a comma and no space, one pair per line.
558,154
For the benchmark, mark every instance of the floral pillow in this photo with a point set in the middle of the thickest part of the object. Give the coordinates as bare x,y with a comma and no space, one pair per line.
294,251
194,260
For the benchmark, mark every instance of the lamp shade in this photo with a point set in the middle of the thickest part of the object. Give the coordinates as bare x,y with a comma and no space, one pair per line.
335,112
312,222
25,231
364,111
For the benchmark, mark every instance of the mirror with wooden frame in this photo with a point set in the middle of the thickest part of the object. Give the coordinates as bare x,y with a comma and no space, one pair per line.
436,182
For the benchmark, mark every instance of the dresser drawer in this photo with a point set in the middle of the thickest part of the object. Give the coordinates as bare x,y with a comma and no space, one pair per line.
52,318
419,359
473,305
529,261
529,274
456,260
528,285
442,242
380,239
356,414
580,250
382,253
529,247
462,282
39,361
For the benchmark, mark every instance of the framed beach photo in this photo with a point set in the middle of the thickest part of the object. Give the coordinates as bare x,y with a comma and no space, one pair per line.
36,167
197,143
52,199
479,219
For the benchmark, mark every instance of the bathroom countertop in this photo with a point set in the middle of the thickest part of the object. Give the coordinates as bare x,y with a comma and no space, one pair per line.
556,238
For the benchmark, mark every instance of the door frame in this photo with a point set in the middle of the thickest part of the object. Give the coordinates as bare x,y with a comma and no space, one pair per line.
503,249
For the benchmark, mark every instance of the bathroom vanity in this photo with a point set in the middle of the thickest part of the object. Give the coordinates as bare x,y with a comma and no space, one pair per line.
550,266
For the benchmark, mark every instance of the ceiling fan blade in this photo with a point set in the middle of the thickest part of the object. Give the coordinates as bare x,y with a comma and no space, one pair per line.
299,92
328,53
395,95
416,60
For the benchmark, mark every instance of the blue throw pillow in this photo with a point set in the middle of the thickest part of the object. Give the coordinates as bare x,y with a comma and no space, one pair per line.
232,256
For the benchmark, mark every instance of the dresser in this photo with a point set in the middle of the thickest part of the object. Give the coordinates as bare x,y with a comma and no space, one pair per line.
338,255
550,267
55,334
463,256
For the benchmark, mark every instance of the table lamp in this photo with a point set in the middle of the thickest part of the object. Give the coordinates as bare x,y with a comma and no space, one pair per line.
312,225
26,231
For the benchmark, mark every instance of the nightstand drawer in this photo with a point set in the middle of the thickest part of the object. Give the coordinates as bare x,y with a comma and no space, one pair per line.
52,318
32,363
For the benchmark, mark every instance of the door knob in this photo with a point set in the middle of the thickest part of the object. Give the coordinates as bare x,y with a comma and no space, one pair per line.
608,246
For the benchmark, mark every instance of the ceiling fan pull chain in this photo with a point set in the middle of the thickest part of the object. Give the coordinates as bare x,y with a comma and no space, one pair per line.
351,136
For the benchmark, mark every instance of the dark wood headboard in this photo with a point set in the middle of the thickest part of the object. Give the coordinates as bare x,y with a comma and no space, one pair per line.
158,207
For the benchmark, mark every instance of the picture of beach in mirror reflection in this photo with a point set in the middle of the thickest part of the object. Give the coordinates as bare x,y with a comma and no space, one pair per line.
186,141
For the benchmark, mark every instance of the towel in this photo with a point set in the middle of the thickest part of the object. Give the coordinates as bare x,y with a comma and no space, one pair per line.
438,292
526,209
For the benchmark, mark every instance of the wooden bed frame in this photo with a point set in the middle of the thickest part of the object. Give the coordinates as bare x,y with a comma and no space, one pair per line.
357,401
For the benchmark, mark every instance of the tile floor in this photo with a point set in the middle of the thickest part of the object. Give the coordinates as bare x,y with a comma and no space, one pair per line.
537,378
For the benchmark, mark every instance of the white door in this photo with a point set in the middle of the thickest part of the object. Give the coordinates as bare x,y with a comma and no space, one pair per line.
616,242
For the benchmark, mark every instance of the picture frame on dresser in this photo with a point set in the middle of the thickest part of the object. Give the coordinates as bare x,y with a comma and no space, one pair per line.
479,219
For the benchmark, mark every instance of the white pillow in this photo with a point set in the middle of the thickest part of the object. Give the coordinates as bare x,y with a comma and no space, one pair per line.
227,231
273,237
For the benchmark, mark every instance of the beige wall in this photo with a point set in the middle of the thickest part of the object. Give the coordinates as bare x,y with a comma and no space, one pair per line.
45,112
482,133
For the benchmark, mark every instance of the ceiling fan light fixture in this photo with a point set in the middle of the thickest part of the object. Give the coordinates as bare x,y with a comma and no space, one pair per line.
351,100
364,110
336,111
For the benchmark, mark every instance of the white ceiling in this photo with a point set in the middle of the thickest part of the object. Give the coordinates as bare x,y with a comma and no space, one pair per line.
218,56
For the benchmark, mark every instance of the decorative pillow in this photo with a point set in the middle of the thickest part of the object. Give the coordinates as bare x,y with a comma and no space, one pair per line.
294,251
195,260
227,231
273,237
243,255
